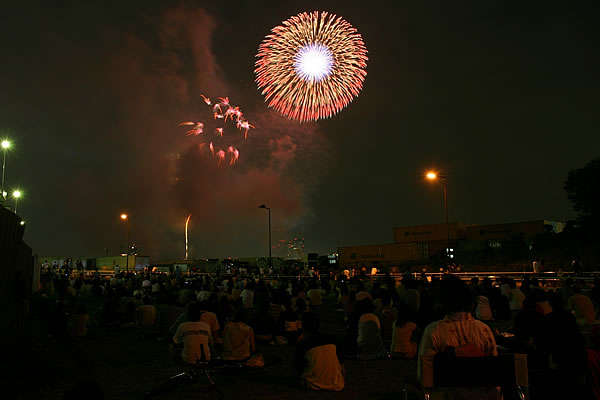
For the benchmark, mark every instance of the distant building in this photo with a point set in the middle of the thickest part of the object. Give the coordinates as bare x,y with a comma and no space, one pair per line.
103,264
382,256
498,232
434,235
417,244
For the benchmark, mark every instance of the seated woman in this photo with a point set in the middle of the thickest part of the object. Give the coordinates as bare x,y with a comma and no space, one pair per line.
238,344
404,344
369,342
318,361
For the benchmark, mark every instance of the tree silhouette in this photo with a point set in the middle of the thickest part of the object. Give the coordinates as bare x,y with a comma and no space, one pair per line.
583,189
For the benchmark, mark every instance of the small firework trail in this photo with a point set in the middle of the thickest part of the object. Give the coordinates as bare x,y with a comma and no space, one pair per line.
187,221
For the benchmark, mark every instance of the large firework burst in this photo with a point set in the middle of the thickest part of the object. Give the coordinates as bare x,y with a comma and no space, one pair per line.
312,66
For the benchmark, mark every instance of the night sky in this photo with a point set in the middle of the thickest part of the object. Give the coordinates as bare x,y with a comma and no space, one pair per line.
500,96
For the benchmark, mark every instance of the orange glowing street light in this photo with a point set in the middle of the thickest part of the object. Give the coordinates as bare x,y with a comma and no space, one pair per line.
432,176
125,217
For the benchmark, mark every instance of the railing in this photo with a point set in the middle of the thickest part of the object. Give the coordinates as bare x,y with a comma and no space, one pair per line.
550,278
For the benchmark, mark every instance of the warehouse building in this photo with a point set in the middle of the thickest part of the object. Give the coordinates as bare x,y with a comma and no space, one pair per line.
415,245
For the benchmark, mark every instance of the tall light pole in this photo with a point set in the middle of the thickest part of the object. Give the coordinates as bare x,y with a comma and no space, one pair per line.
5,147
125,217
16,195
432,176
270,256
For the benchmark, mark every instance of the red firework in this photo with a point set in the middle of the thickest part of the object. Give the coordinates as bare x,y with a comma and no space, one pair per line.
312,66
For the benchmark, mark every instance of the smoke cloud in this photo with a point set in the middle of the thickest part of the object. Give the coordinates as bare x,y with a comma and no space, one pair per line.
127,153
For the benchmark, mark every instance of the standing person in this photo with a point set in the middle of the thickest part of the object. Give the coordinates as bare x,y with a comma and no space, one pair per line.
247,295
79,267
536,266
514,295
193,336
314,296
576,264
582,307
318,360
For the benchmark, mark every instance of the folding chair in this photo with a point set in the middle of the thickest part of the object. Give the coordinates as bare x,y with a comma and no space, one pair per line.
507,371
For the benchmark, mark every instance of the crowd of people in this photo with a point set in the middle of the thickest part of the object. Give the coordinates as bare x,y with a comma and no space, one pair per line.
225,317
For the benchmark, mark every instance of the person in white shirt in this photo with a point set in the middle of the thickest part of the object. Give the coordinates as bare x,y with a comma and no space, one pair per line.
194,336
248,295
458,333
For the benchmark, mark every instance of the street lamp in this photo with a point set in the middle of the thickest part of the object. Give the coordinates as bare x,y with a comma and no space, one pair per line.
125,217
16,195
432,176
5,147
270,256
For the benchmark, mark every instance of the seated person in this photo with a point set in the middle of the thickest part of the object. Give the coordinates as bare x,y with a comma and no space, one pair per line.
290,325
81,322
261,321
194,335
146,313
169,314
211,319
404,344
369,329
483,311
238,344
387,315
318,361
458,332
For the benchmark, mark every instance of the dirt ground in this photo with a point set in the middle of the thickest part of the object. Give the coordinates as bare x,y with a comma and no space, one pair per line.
125,365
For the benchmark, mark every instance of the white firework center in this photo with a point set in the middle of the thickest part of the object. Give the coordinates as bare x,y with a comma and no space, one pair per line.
314,62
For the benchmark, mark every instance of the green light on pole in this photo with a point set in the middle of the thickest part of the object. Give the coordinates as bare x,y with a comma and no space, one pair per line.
17,195
5,147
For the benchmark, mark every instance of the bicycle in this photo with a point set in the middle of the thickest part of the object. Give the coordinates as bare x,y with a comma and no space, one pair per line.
202,368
